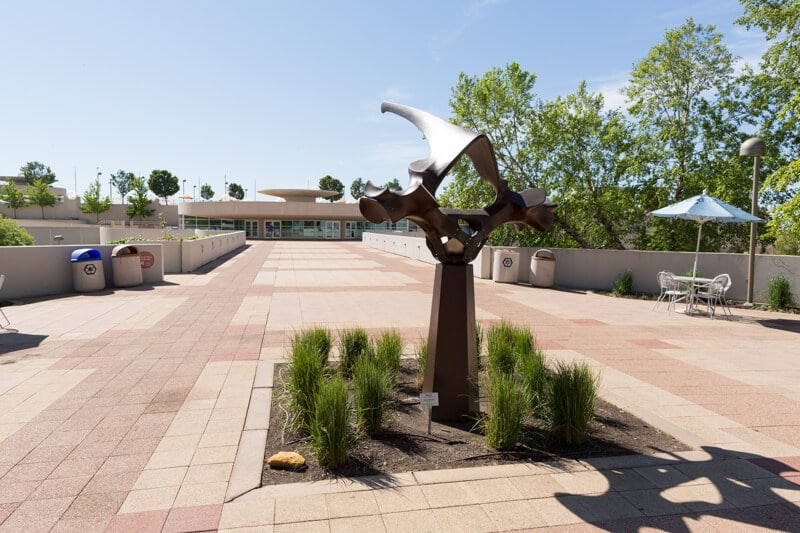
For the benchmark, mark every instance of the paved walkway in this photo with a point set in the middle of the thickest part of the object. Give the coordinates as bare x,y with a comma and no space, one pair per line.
146,409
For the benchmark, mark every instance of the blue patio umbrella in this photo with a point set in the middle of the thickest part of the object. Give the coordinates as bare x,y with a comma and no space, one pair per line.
704,208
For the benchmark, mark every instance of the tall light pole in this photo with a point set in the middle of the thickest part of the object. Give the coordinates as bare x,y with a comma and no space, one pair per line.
753,147
194,193
109,181
183,192
225,190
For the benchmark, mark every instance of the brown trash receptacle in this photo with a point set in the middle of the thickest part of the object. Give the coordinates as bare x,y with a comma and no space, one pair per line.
543,268
126,266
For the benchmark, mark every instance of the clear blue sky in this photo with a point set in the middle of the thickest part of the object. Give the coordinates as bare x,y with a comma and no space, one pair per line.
279,94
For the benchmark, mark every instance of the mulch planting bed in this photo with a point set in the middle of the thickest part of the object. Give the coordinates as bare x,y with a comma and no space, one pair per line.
404,444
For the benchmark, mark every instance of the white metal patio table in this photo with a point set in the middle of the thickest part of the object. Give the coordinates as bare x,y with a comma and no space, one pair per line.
691,283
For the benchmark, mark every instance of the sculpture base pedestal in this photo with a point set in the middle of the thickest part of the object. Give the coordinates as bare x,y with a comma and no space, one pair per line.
452,362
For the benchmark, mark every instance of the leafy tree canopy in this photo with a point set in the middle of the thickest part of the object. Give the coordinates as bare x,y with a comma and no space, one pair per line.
34,170
206,192
39,194
327,183
163,184
92,201
357,188
139,202
13,196
123,182
393,185
235,191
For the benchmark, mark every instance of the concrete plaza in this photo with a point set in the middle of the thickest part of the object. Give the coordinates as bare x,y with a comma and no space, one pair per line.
146,409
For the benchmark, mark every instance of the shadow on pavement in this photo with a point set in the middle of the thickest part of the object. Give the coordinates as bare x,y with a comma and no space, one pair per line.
675,494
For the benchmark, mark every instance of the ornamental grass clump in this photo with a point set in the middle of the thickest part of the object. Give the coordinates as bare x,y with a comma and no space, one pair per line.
388,348
421,353
779,293
500,348
502,424
305,375
317,338
353,343
533,372
373,387
570,402
624,285
331,435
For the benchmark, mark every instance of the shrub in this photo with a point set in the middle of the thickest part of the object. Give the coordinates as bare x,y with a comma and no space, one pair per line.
353,343
503,423
13,235
388,349
317,338
570,403
374,386
330,428
500,348
624,285
779,293
421,351
305,375
533,373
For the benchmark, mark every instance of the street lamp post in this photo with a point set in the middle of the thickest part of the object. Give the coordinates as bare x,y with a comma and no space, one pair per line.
753,147
194,193
225,189
183,192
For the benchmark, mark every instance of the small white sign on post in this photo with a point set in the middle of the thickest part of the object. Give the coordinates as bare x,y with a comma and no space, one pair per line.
430,400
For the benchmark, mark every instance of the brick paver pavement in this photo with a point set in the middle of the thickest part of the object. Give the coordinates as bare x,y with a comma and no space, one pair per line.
146,409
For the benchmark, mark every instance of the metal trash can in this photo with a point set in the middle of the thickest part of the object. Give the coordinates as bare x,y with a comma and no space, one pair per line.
505,267
126,266
543,268
87,270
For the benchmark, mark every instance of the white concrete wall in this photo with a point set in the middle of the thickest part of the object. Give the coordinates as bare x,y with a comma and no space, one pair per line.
197,253
577,268
47,270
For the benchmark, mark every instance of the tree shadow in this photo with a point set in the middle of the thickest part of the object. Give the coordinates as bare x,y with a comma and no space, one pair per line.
668,492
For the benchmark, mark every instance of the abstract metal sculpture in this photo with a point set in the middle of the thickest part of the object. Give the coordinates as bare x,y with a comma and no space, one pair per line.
455,237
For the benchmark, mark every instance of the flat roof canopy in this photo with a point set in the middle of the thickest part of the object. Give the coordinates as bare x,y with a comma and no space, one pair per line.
298,195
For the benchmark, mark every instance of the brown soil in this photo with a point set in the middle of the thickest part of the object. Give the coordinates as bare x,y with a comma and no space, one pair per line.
404,445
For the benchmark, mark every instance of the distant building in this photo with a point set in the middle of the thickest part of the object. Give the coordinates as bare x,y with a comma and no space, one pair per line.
298,216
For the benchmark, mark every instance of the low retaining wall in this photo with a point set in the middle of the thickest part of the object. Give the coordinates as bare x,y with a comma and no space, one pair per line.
577,268
33,271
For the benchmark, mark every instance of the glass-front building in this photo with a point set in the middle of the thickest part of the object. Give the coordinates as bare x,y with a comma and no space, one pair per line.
293,229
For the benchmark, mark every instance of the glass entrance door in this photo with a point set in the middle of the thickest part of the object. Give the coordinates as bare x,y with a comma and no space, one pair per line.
251,229
331,229
272,229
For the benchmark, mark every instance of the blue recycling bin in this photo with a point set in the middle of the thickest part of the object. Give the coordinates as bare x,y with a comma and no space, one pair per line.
87,270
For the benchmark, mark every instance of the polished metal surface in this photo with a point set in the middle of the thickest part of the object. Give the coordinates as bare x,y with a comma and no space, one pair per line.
453,236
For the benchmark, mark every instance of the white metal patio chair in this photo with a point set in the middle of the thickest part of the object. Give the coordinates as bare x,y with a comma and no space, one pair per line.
5,322
671,290
713,294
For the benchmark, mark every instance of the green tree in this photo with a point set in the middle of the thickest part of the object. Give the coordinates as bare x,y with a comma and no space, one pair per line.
123,182
39,194
327,183
206,192
775,107
13,196
13,235
235,191
34,170
163,184
139,202
683,96
580,154
357,188
93,203
393,185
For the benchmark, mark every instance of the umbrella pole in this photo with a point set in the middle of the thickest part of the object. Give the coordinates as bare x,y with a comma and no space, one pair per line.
697,249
